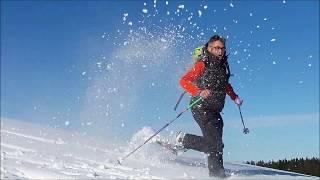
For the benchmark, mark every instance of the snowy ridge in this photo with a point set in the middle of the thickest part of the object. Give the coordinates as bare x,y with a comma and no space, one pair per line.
31,152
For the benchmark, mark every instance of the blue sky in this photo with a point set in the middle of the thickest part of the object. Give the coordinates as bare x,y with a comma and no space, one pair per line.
110,68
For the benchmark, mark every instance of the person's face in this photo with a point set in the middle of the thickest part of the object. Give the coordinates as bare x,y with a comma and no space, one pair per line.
216,48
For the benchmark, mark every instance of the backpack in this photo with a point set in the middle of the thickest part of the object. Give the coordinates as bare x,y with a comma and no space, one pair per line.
197,53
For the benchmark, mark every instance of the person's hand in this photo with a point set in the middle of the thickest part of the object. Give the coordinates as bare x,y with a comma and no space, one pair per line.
205,93
238,101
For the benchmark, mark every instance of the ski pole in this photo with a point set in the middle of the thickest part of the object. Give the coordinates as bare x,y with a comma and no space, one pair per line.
129,154
245,130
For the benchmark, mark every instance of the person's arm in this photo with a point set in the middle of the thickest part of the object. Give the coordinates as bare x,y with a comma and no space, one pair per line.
231,92
233,95
190,76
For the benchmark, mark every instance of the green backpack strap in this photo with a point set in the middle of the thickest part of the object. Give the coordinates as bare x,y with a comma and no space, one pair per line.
178,102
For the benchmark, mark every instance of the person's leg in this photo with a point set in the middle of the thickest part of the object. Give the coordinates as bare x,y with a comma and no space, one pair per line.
195,142
213,135
211,124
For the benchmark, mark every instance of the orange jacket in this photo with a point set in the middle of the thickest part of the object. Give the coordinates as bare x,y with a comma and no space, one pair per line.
196,71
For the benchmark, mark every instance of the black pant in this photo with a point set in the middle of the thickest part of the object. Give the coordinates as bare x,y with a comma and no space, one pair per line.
211,125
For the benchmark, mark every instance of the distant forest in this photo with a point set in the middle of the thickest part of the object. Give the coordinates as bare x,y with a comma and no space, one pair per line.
304,166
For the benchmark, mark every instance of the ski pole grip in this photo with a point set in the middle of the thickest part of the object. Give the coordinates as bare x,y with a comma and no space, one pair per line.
195,102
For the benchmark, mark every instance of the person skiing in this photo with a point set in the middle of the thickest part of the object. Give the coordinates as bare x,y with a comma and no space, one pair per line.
209,78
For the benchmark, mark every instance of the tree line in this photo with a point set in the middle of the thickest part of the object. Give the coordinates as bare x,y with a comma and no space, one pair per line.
309,166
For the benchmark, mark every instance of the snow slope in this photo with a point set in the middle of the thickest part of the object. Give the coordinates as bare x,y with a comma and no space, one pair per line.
30,151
